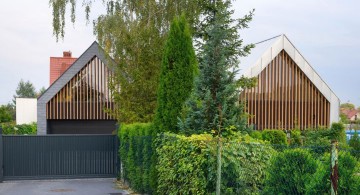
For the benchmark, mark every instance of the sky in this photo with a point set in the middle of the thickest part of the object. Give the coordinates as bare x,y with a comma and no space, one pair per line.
326,32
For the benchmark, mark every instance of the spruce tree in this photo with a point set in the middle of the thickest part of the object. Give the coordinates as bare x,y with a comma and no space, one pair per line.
177,73
214,104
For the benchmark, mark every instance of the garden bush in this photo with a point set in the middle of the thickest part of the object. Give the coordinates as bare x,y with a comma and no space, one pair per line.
349,178
11,128
290,171
296,138
354,143
181,164
135,154
277,137
244,161
187,165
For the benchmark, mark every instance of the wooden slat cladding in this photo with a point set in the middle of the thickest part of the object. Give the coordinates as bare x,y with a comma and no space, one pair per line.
85,97
285,98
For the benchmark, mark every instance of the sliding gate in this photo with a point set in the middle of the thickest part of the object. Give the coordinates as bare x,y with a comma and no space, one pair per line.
58,156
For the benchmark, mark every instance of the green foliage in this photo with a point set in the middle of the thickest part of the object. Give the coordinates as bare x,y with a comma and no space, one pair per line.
295,138
24,90
134,33
337,132
244,161
10,128
178,70
354,143
181,164
214,103
135,153
277,137
349,178
348,105
289,172
5,114
187,165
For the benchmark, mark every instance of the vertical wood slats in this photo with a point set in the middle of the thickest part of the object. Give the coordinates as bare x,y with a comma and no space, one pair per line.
285,98
85,96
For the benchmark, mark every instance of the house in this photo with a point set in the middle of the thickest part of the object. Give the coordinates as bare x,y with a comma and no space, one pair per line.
78,101
351,114
289,92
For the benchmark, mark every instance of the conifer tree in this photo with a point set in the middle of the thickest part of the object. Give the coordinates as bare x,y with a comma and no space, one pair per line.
214,104
177,73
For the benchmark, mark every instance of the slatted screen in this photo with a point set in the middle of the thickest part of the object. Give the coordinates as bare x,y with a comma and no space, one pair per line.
85,97
285,98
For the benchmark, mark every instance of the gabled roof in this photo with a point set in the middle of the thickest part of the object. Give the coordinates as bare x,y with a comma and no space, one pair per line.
283,43
58,84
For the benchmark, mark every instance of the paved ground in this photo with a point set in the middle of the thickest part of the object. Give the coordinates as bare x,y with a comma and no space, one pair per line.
63,187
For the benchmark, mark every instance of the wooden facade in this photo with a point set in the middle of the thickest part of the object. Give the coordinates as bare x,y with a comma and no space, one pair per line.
285,98
85,97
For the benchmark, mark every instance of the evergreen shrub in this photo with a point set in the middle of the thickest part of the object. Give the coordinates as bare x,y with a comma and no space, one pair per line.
135,154
290,171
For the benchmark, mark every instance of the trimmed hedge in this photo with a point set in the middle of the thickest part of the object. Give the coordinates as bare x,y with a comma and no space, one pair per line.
135,154
181,164
187,165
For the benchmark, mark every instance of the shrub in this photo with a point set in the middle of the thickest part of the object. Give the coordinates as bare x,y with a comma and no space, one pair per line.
289,172
187,165
24,129
337,132
349,178
274,136
354,143
181,163
244,161
295,138
135,153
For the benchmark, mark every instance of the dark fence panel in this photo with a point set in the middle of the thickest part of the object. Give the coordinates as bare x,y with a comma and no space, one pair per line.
59,156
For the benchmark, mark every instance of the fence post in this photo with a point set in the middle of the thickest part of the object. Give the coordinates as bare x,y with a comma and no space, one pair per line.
1,156
334,167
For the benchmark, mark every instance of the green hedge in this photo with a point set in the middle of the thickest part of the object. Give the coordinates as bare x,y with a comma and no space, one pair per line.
274,136
187,165
181,164
11,128
135,154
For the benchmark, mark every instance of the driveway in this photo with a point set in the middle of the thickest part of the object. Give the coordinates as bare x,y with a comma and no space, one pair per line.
63,187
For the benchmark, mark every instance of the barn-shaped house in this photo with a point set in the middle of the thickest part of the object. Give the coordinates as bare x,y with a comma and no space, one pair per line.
78,102
289,93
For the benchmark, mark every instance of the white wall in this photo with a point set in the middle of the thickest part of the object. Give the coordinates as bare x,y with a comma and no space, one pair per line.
26,110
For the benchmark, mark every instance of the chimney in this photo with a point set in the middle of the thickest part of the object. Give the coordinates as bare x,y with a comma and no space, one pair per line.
67,54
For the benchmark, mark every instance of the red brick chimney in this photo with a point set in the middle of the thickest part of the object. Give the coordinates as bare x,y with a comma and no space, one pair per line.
67,54
58,65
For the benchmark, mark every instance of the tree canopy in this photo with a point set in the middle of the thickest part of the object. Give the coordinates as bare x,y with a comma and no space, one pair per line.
214,104
133,33
24,90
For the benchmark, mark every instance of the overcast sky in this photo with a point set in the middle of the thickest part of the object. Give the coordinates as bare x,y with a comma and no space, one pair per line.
326,32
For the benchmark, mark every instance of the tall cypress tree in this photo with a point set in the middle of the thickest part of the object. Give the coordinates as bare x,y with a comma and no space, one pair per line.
214,104
178,69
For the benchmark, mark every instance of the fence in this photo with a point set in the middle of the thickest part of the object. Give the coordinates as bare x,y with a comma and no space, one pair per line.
58,156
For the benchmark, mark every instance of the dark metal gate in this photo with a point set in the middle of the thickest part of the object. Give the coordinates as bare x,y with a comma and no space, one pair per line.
58,156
